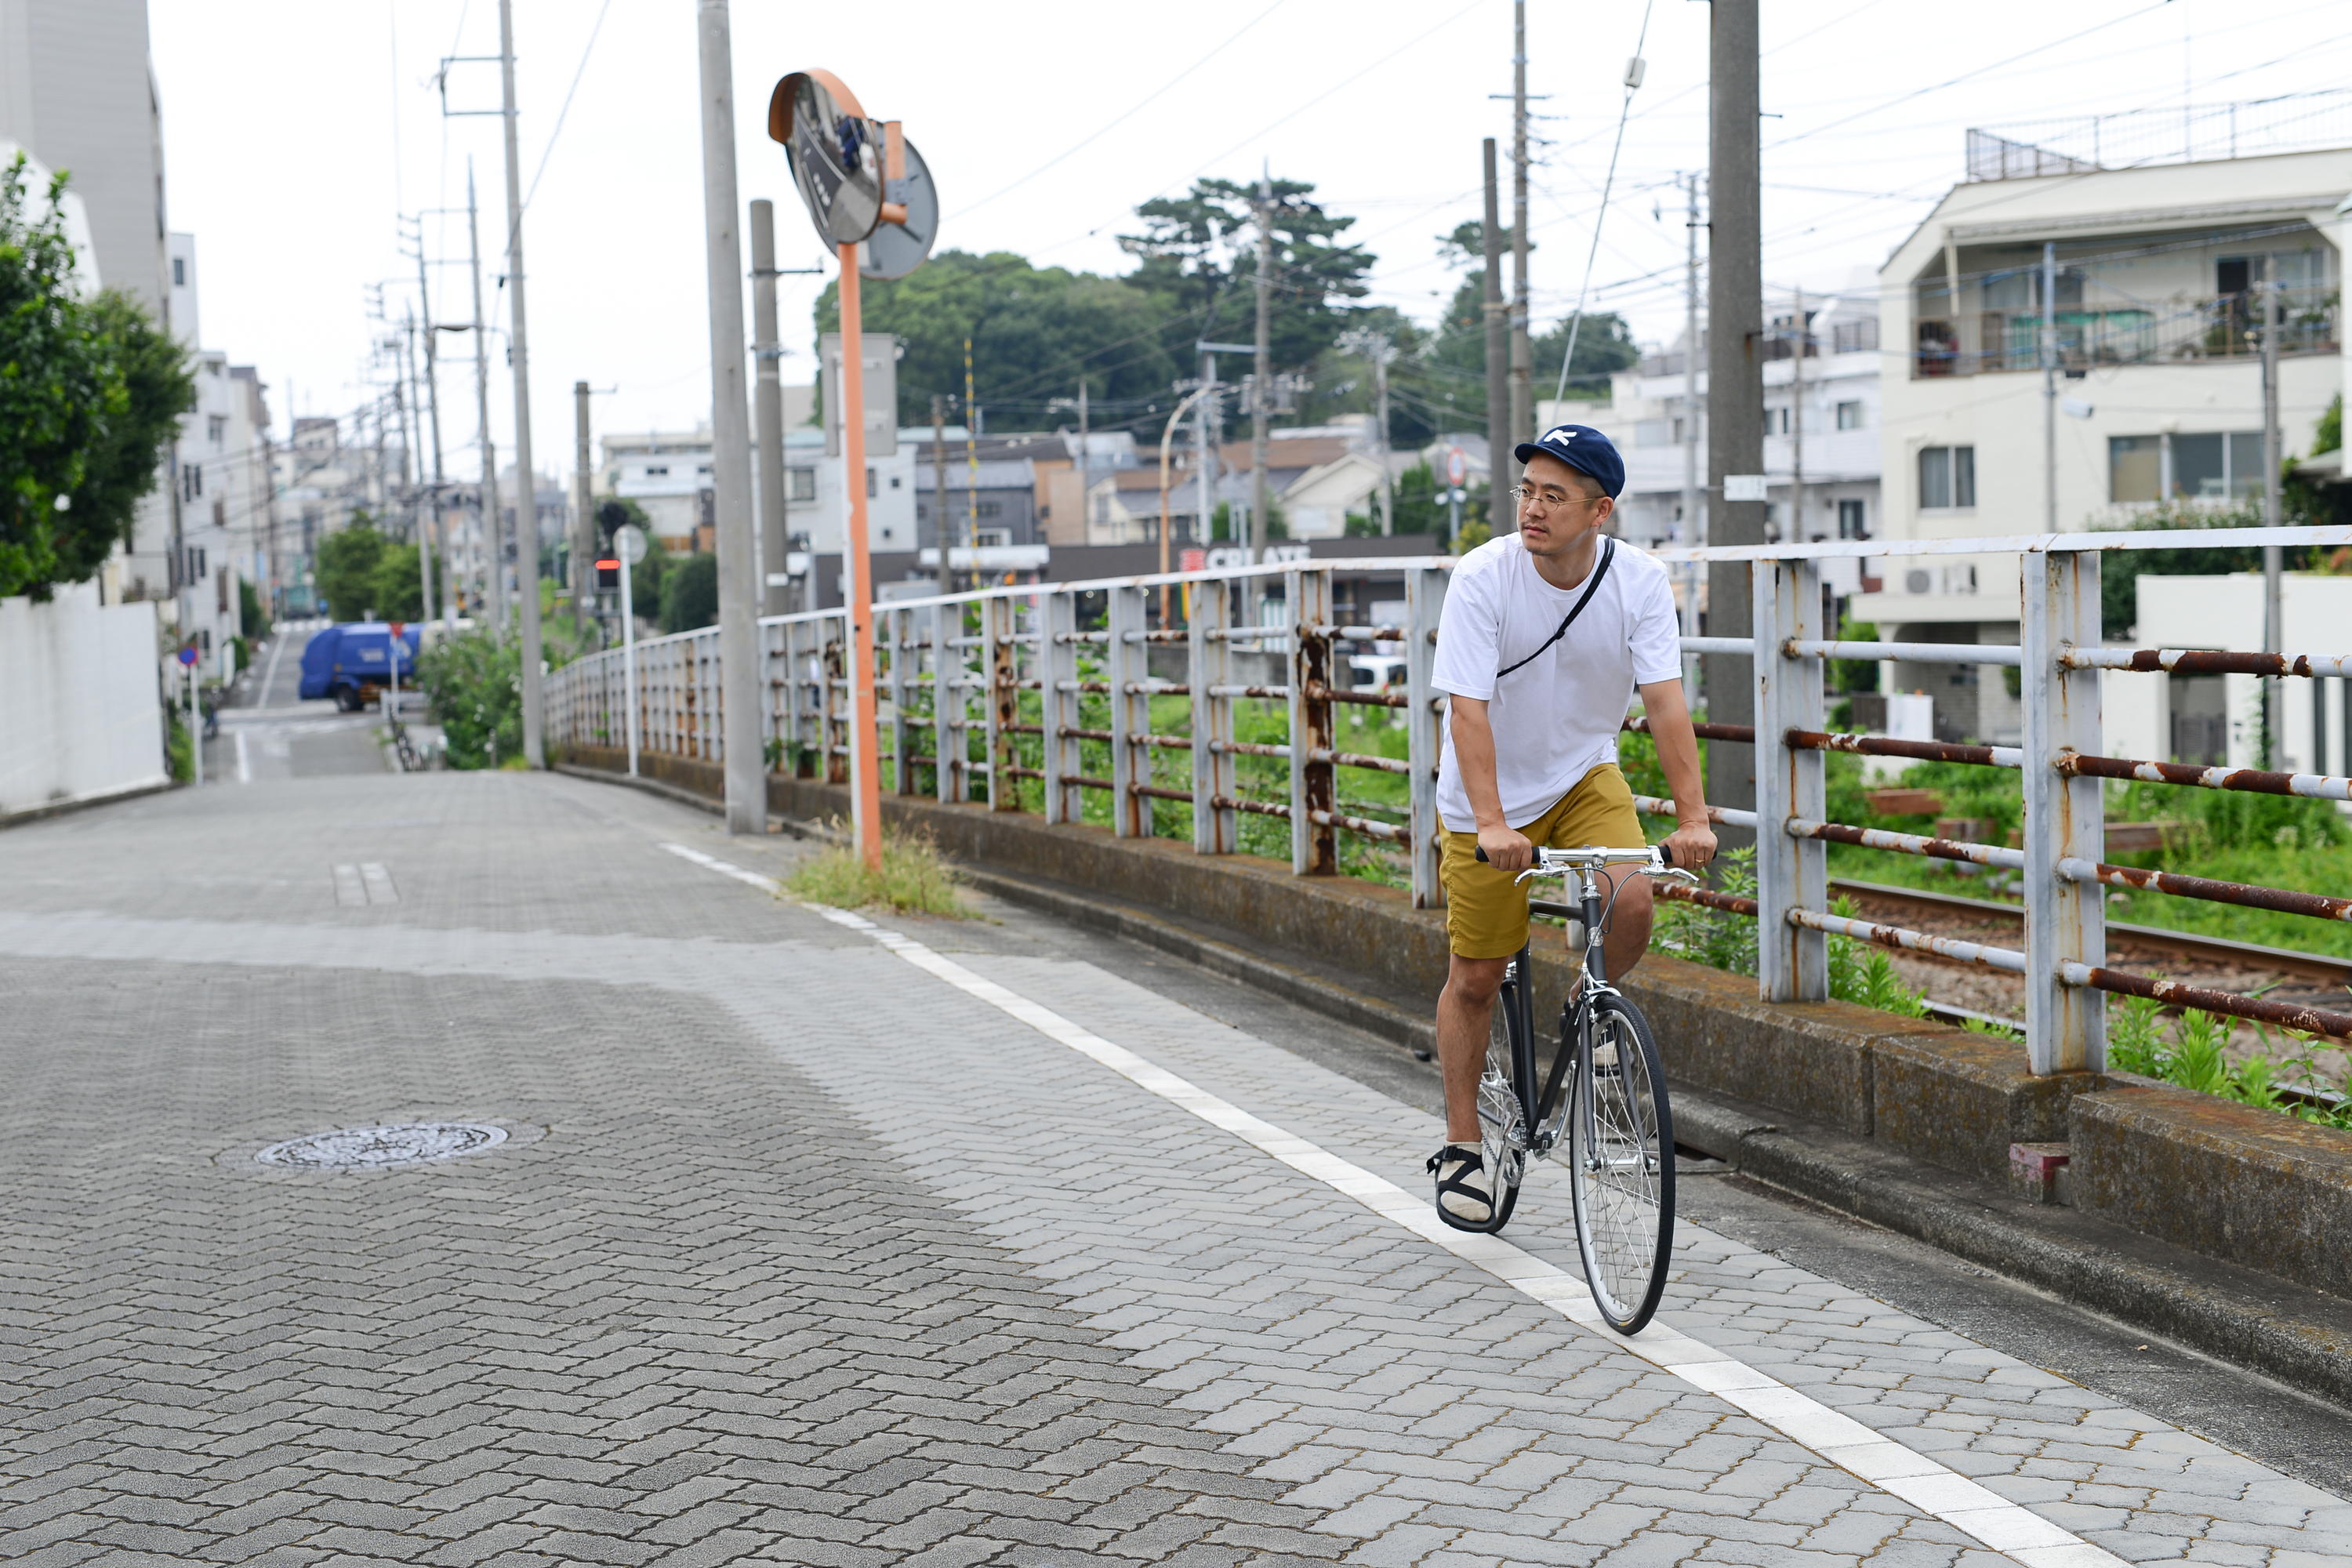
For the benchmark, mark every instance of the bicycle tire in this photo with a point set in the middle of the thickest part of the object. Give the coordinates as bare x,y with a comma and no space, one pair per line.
1502,1101
1624,1186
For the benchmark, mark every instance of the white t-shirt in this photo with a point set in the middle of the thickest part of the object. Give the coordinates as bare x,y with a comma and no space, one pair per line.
1556,718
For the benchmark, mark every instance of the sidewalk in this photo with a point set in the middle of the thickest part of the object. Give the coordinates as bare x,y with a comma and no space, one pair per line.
797,1250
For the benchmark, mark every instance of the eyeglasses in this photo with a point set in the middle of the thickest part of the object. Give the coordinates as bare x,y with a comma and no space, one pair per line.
1522,494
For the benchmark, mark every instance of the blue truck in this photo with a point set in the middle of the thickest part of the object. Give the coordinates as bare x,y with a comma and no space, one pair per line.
352,662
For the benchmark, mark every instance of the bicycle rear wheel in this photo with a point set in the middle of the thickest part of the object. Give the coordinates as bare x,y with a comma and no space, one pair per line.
1621,1155
1502,1103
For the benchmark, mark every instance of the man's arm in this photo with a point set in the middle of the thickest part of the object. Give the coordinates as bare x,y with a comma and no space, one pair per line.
1693,839
1474,754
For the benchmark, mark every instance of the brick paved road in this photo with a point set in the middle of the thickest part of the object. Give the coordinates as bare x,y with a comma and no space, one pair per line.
798,1254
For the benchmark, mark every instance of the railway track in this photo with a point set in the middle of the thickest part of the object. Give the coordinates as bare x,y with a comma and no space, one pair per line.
2201,951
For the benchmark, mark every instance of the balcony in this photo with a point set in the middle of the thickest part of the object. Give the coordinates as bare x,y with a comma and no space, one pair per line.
2174,331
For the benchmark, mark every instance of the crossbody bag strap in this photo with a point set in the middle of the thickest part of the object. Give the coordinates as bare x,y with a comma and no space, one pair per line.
1608,553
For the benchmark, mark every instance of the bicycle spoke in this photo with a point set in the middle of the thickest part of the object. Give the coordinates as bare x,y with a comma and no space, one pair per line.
1621,1156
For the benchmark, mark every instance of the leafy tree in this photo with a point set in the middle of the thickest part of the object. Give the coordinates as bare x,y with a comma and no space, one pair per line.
1035,332
1199,253
397,590
475,679
252,620
89,395
346,570
125,459
690,593
58,385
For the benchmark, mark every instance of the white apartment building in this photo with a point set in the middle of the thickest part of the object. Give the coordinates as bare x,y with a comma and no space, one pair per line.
2160,269
1823,430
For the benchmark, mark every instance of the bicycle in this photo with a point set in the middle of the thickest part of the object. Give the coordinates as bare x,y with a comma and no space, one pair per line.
1612,1113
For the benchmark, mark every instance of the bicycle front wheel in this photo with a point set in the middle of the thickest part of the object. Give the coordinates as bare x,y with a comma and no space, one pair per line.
1621,1155
1502,1098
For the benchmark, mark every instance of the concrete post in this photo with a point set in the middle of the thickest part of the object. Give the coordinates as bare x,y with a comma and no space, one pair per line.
947,699
730,441
1503,471
534,695
584,523
1498,333
2066,921
1791,964
1127,662
1000,657
1735,386
892,626
1425,597
1216,829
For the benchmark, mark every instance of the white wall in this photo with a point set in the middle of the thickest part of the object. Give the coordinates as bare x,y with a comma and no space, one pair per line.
2226,611
78,700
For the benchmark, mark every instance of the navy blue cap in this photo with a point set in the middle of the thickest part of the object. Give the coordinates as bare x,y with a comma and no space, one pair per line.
1583,448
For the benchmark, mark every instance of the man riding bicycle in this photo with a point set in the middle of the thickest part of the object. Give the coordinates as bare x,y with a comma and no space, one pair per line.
1545,634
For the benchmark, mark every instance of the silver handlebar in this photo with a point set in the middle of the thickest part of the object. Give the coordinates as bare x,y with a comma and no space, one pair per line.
1645,862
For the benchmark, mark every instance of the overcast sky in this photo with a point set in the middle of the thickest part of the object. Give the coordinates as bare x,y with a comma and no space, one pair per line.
296,132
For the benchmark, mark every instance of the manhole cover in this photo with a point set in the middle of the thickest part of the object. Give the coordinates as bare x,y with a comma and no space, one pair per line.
373,1148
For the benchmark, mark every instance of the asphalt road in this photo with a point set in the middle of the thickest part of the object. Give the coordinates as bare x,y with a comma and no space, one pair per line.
267,732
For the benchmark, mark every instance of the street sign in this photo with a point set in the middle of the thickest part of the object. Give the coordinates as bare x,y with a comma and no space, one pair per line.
398,628
1743,487
188,655
893,251
1457,468
629,543
835,152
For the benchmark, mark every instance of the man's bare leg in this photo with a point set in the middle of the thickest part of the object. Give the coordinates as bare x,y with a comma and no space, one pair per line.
1463,1010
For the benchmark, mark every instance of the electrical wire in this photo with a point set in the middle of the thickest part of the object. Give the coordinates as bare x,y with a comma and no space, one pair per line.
549,151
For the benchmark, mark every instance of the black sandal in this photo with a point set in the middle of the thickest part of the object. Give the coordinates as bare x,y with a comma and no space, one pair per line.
1471,1162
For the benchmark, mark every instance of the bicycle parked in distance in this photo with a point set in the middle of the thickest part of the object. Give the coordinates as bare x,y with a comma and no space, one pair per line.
1603,1095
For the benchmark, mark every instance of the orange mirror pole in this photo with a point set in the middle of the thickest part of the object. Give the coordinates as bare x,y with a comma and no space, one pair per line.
864,759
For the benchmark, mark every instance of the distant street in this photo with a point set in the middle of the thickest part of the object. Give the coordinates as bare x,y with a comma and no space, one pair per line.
272,733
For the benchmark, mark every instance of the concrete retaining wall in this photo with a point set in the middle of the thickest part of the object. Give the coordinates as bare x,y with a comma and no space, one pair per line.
2247,1187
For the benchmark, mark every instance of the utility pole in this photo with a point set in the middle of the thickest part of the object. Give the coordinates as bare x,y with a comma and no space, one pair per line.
2049,357
424,501
2273,618
583,533
1796,534
1693,529
1262,386
493,517
1735,387
1503,471
940,492
1498,335
767,412
1086,457
534,694
433,407
1376,347
1211,429
741,690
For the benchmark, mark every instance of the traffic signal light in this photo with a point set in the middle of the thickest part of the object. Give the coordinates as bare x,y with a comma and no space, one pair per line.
608,572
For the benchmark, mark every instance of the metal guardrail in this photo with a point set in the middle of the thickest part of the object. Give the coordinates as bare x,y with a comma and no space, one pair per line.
985,691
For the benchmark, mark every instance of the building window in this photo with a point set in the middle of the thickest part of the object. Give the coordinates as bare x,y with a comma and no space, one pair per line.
1849,415
872,488
1775,421
1855,337
2207,467
1850,520
179,272
217,427
656,471
1947,478
192,481
803,484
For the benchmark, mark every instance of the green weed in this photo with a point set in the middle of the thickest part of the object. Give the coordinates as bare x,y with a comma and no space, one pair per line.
913,879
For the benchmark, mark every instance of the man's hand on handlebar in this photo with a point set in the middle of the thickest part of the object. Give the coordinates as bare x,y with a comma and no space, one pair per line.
1690,845
1506,848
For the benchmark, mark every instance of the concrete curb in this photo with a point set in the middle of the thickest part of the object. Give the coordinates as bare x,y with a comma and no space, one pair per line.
33,814
2289,1331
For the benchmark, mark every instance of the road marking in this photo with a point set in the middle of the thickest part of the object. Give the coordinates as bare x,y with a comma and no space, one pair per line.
1932,1487
244,762
356,887
270,678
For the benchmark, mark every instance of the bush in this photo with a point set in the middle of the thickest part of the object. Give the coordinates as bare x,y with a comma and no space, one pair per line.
913,879
474,683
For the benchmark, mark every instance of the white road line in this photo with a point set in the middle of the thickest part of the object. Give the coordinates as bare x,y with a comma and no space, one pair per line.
244,762
1929,1486
378,882
350,893
269,676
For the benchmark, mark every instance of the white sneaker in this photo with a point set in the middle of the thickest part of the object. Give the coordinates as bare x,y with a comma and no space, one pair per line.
1465,1193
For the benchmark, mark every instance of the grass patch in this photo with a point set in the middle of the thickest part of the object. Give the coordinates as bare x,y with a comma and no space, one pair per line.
913,879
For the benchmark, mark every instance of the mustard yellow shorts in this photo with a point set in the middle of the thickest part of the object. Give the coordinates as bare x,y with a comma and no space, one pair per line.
1486,912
